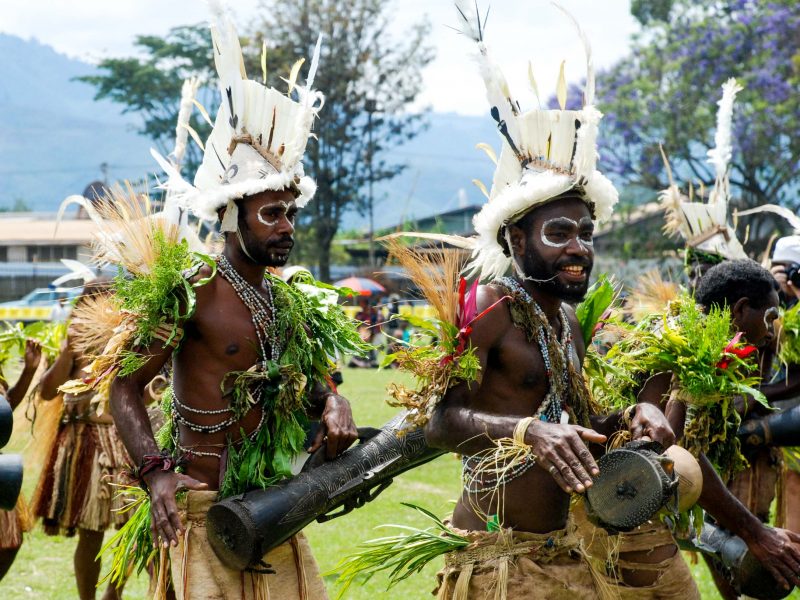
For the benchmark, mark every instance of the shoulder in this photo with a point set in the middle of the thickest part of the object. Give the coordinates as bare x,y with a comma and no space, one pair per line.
493,324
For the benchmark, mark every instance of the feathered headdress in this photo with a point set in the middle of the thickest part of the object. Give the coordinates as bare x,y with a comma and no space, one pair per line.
259,135
545,153
703,225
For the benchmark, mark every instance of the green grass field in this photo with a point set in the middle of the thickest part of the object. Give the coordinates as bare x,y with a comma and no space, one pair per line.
43,568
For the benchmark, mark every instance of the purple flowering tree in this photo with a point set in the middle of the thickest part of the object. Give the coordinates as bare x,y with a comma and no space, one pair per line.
666,92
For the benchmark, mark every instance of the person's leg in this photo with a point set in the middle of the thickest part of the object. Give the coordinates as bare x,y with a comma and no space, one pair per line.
87,567
6,560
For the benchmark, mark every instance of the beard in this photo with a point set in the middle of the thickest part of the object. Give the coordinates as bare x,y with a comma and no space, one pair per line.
547,277
273,252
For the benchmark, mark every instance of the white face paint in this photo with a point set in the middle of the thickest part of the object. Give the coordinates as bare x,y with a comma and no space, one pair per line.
559,232
271,208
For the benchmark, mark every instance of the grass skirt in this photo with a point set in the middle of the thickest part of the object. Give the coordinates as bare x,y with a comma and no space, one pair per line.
75,490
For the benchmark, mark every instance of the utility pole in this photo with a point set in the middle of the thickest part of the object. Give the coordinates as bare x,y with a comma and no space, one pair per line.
104,171
370,107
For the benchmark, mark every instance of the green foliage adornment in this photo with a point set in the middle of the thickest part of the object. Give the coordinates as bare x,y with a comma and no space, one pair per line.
49,334
402,555
789,342
597,301
161,298
709,366
131,547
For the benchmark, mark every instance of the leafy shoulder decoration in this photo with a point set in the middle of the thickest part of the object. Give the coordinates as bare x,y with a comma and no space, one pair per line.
153,291
450,359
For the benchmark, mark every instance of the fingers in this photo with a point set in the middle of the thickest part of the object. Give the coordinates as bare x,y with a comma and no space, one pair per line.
777,575
590,435
572,474
189,483
585,461
165,522
319,439
556,475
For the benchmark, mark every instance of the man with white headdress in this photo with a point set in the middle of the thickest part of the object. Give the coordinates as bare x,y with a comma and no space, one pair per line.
539,220
249,351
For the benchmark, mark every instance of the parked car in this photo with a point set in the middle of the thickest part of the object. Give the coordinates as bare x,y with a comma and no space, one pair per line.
37,305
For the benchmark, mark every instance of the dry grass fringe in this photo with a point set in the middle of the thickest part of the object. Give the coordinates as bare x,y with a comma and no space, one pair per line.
436,272
93,323
650,295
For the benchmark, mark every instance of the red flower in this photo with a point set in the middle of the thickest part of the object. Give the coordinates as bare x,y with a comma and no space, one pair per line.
731,349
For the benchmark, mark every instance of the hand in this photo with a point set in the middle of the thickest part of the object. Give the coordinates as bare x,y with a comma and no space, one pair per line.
165,523
336,427
33,353
560,450
779,551
648,421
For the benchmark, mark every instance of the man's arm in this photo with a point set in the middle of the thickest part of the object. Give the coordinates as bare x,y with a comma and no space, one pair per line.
58,373
33,354
127,403
783,390
459,422
777,549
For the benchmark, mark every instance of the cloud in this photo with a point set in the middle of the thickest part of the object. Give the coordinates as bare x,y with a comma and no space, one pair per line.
517,32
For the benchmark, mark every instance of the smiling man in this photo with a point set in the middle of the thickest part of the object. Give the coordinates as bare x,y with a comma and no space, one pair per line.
538,221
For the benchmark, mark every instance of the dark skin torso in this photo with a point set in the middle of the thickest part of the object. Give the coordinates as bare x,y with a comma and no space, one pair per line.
219,339
513,385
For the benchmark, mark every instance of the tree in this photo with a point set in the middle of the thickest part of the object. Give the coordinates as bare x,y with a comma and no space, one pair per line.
360,62
151,86
666,92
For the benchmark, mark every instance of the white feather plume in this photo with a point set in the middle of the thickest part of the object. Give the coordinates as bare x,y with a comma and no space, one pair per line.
312,70
188,92
77,270
497,90
588,91
781,211
720,155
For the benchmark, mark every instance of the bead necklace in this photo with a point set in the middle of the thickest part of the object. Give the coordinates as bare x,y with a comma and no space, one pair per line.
262,309
251,436
556,354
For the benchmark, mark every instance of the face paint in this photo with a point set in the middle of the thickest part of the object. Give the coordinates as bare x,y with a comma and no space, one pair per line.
270,206
559,232
770,315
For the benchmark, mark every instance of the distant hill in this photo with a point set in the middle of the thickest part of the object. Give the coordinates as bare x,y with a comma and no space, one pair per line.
53,137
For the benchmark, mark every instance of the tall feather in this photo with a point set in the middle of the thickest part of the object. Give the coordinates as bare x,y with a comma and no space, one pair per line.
188,92
312,70
720,155
497,90
588,90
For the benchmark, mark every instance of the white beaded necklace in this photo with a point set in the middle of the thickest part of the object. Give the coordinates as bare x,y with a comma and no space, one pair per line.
262,309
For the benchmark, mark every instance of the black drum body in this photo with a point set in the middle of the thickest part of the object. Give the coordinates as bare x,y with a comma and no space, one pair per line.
634,483
241,529
776,429
732,557
10,464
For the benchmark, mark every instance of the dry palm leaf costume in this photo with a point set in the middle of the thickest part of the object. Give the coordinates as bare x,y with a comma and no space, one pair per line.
545,153
85,457
256,144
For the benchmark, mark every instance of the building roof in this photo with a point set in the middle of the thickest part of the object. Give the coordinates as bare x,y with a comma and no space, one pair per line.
44,229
